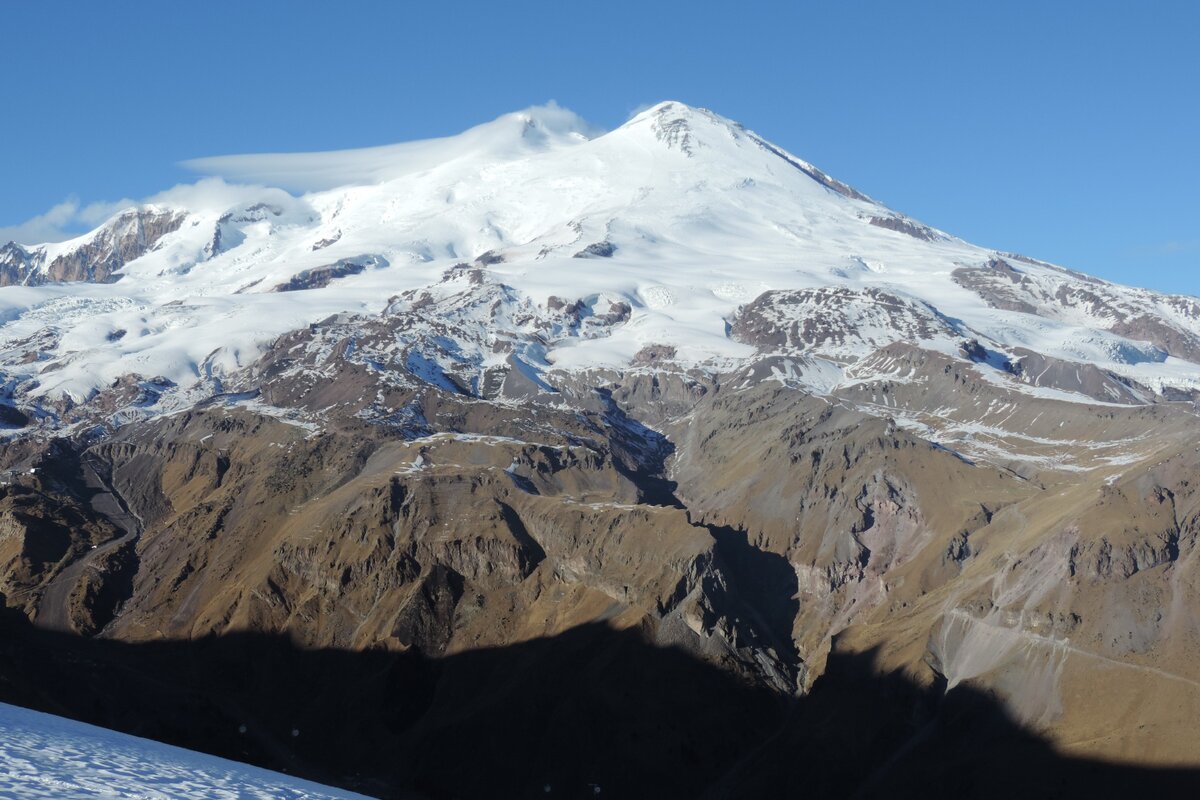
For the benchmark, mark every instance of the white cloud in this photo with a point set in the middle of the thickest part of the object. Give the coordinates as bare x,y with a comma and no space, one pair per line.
47,227
64,220
509,136
638,109
214,194
69,219
93,214
251,176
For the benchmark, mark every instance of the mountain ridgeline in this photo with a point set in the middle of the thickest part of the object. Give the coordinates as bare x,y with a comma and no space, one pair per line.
655,460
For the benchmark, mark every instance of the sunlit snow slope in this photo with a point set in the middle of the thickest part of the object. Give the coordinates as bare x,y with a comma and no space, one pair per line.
681,215
46,756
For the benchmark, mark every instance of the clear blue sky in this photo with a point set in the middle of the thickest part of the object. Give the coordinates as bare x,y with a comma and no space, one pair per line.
1064,130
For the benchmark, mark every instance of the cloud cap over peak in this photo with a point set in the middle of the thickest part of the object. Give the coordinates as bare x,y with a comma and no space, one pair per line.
510,136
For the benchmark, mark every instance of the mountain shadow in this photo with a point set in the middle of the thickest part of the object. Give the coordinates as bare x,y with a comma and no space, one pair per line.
593,708
767,585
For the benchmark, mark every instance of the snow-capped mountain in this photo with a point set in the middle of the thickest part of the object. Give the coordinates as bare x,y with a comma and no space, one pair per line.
715,245
540,456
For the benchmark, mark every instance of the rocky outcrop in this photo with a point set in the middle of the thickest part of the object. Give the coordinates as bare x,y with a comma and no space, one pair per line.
320,277
1085,379
18,265
830,183
1171,339
654,354
597,250
44,536
835,320
907,227
999,284
130,236
1060,294
321,244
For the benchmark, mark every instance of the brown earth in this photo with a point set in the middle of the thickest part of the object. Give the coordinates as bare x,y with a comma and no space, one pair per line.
597,572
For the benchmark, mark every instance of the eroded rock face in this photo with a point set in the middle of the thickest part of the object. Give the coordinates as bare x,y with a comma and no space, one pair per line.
597,250
130,236
321,244
1145,327
449,338
18,265
999,284
907,227
44,537
835,320
830,183
361,538
763,531
1069,296
654,353
1085,379
98,260
320,277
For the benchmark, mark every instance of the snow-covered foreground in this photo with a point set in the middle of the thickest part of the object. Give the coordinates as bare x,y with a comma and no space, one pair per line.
47,756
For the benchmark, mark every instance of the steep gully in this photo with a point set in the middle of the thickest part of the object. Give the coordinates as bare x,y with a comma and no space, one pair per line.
54,611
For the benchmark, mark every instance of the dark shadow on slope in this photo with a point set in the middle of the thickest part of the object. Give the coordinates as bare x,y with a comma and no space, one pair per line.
860,734
640,453
763,582
593,706
766,583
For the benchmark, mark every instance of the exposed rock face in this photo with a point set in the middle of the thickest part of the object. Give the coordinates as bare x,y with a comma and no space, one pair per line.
1070,296
817,175
18,265
654,353
835,320
757,529
320,277
907,227
447,336
347,497
1085,379
1181,343
441,543
597,250
97,260
999,284
43,535
321,244
130,236
231,227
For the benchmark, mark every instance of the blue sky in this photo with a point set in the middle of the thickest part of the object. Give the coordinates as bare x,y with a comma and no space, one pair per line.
1064,130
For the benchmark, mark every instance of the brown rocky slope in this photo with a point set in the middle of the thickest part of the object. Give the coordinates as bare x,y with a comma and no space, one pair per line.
670,584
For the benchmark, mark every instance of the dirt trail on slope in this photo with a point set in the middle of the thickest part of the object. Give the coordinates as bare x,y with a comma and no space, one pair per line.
53,611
